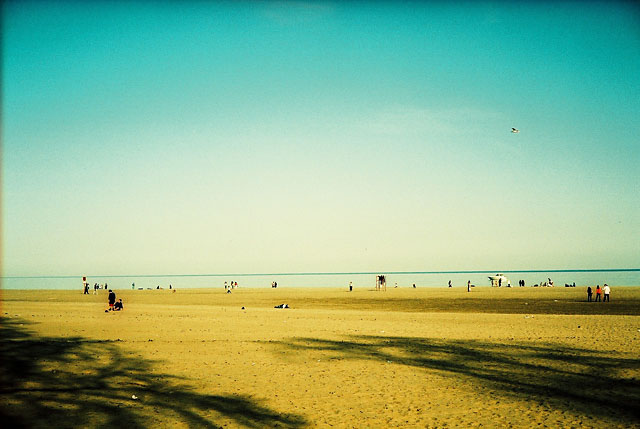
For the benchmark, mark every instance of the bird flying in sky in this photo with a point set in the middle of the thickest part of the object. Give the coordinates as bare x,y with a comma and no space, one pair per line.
515,131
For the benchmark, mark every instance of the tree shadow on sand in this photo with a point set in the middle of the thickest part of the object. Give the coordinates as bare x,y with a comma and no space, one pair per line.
75,382
566,378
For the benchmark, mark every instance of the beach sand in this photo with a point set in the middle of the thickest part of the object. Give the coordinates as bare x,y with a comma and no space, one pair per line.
426,357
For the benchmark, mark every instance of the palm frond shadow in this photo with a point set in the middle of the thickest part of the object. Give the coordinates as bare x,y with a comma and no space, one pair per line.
567,378
75,382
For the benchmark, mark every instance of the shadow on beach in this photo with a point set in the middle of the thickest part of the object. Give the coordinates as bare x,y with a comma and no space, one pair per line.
583,381
75,382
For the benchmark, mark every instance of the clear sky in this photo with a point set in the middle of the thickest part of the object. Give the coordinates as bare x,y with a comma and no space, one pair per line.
173,138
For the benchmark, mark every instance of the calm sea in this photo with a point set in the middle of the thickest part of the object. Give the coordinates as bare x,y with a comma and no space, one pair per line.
626,277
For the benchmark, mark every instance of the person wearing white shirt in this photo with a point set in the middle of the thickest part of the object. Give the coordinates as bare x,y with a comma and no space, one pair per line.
606,290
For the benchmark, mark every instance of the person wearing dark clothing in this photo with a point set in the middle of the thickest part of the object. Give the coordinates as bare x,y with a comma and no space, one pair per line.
112,299
118,306
589,294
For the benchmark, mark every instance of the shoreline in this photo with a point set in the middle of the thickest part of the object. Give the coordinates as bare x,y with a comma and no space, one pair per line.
481,300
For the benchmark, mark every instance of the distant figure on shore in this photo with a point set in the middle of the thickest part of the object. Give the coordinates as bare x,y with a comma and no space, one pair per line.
118,306
414,286
396,285
226,286
170,287
112,299
95,289
133,286
589,294
469,286
598,293
86,289
350,286
449,283
500,282
508,283
606,291
282,306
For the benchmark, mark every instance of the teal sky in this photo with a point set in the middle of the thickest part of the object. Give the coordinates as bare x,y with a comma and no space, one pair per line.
171,138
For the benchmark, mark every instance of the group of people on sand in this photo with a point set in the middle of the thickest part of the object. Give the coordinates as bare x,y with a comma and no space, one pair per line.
606,291
229,286
113,305
96,287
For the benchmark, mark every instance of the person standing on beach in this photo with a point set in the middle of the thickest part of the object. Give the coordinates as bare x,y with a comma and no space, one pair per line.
606,291
589,294
449,283
469,286
350,286
598,293
112,299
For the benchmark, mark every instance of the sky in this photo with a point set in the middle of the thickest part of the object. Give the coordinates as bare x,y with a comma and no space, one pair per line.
269,137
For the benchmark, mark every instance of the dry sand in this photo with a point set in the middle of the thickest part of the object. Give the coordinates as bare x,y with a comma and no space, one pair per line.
517,357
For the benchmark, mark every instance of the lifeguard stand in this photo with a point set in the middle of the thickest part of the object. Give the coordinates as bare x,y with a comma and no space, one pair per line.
381,282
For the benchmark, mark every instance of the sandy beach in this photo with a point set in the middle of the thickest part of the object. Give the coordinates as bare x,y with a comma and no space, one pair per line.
437,357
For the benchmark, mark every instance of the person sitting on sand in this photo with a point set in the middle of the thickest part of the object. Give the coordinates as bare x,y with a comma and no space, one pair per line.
112,299
282,306
118,306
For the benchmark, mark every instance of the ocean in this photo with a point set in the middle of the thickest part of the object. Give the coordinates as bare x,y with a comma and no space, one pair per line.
620,277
